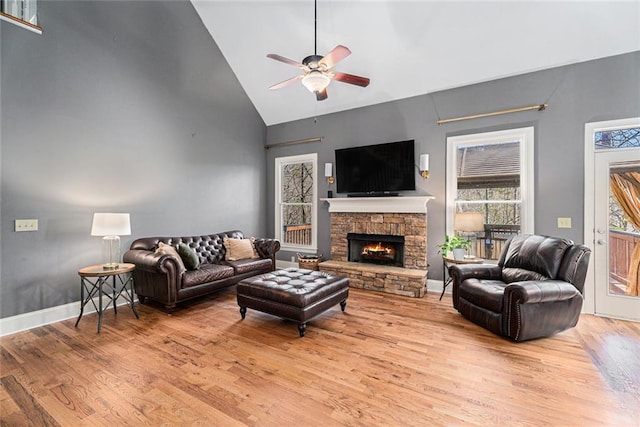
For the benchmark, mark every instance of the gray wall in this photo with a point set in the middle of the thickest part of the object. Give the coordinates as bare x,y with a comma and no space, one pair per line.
597,90
117,107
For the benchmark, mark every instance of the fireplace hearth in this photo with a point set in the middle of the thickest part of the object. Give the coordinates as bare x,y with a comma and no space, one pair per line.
379,249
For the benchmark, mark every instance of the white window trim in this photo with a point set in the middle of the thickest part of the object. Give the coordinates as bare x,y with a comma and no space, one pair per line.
279,163
526,138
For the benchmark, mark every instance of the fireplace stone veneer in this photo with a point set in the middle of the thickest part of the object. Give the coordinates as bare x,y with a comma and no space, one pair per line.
396,216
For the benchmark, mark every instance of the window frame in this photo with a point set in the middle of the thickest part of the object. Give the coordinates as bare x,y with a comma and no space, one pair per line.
280,162
6,16
525,136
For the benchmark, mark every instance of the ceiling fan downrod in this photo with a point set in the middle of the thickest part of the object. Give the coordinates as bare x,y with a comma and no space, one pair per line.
315,27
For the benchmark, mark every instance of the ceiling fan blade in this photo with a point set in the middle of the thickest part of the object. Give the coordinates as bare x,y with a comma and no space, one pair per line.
286,82
336,55
285,60
352,79
321,96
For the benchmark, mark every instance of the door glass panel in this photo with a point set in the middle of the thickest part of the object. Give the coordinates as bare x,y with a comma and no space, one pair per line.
624,229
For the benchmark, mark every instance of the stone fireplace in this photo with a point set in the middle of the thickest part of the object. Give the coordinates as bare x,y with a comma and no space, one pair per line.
381,220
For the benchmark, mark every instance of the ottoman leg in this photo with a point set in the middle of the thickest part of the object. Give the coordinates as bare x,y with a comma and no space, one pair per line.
302,327
243,311
343,304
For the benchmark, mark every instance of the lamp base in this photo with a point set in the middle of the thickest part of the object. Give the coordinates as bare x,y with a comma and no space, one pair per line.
110,266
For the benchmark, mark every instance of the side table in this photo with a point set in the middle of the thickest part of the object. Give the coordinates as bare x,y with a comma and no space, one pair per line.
447,262
94,280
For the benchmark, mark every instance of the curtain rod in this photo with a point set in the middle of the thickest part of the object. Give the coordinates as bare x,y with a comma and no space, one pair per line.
297,141
539,107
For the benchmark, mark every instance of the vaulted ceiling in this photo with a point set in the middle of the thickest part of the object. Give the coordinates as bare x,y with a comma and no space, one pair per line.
408,48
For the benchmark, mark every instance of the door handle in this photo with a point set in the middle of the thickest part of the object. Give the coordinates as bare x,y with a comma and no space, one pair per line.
600,242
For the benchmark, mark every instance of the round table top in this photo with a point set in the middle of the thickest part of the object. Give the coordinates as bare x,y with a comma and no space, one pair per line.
97,270
463,261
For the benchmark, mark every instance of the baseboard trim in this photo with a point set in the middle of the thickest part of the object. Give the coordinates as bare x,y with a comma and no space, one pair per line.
34,319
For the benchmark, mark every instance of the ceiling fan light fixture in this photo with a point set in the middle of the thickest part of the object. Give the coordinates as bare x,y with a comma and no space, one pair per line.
316,81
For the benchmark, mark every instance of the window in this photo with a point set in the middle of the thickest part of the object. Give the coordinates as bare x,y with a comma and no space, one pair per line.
21,12
491,173
296,210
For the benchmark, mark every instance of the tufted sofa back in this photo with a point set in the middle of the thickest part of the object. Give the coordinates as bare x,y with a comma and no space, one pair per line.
534,257
210,248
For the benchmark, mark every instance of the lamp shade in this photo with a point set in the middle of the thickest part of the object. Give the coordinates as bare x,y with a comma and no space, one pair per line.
469,221
111,224
328,170
424,162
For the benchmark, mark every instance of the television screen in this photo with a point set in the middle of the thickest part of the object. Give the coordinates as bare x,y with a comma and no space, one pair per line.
376,169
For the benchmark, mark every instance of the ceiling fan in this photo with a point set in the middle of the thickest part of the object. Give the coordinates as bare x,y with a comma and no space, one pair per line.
317,71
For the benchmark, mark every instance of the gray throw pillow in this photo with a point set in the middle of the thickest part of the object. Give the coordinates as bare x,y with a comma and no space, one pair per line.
189,257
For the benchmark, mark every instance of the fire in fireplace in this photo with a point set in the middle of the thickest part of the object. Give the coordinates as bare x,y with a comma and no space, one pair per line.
376,249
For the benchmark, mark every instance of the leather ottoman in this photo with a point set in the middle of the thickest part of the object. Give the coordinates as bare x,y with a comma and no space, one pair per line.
294,294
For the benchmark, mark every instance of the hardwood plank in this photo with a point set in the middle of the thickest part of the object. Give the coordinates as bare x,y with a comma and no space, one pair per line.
33,412
387,360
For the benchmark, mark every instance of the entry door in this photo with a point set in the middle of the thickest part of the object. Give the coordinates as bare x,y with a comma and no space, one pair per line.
615,238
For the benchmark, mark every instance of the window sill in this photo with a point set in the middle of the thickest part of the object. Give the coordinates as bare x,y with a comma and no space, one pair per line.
20,23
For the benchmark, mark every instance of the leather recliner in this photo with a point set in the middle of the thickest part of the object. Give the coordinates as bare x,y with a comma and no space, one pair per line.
534,291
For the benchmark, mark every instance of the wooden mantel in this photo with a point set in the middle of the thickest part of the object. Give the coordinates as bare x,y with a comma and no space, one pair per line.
399,204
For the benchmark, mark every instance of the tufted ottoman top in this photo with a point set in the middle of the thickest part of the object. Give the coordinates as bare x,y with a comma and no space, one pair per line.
293,286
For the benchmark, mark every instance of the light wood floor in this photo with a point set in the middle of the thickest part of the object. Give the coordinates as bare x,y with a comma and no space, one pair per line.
386,361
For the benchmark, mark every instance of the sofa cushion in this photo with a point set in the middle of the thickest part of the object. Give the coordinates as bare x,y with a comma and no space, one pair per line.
540,254
189,256
510,275
165,249
248,265
207,273
483,293
238,249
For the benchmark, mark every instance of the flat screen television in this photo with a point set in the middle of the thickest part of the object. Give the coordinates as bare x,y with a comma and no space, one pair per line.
381,169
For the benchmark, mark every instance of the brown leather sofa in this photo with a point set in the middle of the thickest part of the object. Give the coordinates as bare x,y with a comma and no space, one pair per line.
534,291
161,277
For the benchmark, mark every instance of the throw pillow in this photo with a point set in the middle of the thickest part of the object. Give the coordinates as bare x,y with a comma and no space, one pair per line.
253,245
238,249
189,256
165,249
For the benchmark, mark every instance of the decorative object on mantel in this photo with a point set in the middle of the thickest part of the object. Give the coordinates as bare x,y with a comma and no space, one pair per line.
111,226
424,166
455,245
539,107
297,141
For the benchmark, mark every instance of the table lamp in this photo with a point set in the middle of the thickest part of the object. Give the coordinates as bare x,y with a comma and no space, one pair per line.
469,222
111,226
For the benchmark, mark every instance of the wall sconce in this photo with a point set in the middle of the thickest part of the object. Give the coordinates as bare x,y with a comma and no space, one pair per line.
111,226
424,166
328,173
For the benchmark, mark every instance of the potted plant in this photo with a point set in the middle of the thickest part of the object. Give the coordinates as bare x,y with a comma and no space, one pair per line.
455,245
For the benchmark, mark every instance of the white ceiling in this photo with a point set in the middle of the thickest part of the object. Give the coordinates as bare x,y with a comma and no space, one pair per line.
408,48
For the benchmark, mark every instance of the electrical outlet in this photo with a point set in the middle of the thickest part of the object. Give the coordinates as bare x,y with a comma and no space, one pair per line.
26,225
564,222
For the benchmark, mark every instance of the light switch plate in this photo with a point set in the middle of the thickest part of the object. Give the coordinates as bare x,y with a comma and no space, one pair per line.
564,222
26,225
